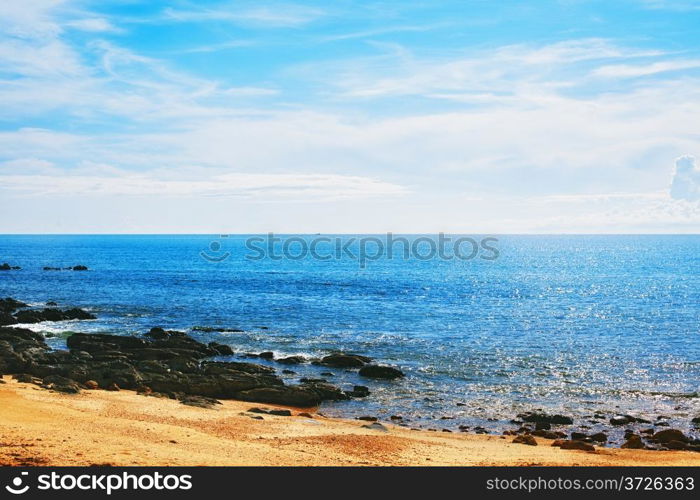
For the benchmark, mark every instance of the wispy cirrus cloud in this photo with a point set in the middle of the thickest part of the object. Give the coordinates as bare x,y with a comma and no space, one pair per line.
632,71
283,15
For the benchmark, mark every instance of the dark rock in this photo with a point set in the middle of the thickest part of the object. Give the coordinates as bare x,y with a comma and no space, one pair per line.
91,385
620,420
291,360
80,268
576,445
668,435
383,372
376,426
528,440
547,434
7,267
283,395
52,314
289,372
327,374
221,349
359,391
536,417
368,418
543,426
634,443
267,355
112,387
9,305
199,401
578,436
599,437
211,329
280,413
61,384
25,378
678,445
340,360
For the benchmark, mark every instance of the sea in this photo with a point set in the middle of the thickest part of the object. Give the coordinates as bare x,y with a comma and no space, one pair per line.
570,324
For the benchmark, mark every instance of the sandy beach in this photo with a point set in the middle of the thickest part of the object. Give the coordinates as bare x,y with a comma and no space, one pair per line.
122,428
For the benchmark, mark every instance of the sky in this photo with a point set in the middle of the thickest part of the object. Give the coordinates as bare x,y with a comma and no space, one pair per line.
410,116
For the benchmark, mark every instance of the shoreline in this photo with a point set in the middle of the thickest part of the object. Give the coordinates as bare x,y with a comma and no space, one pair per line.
45,428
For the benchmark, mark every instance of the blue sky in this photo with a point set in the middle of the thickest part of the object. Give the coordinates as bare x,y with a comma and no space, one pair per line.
347,116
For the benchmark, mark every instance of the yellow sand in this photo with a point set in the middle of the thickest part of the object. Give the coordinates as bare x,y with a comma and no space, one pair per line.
38,427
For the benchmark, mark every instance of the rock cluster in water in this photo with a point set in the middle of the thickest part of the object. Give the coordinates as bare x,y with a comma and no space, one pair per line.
160,363
13,311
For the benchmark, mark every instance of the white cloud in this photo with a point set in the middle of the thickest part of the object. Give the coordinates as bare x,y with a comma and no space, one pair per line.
686,180
278,16
267,187
92,24
631,71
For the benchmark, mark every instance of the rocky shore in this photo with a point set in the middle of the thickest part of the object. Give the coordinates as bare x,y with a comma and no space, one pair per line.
171,364
161,364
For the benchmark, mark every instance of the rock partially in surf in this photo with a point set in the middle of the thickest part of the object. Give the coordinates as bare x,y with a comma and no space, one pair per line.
634,442
291,360
340,360
668,435
379,371
7,267
79,268
358,391
548,434
221,349
599,437
367,418
211,329
7,319
526,439
267,355
52,314
9,305
539,417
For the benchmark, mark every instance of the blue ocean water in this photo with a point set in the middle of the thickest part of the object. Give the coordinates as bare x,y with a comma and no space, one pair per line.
569,324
